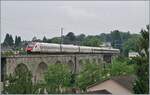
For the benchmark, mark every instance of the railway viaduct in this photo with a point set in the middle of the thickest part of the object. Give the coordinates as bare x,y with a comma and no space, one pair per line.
38,64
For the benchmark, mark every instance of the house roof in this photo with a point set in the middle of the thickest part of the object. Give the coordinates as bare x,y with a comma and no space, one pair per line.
104,91
124,81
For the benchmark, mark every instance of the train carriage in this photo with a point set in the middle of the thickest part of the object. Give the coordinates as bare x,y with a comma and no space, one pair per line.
37,47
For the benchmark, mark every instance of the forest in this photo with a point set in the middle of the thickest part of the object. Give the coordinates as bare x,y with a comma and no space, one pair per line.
125,41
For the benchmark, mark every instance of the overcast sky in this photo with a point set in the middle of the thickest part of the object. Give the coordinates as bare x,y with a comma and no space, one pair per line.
45,18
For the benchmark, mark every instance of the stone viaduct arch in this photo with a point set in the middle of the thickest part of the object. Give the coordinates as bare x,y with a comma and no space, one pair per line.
40,70
21,68
71,65
38,64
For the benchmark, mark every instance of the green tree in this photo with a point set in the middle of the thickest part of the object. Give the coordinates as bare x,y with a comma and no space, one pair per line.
19,41
8,53
141,85
92,41
16,41
44,39
11,41
8,41
20,82
79,39
57,78
49,41
125,36
121,66
34,39
89,74
70,36
130,45
55,40
116,39
104,37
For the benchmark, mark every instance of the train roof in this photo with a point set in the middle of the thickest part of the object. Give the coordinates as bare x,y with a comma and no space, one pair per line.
75,46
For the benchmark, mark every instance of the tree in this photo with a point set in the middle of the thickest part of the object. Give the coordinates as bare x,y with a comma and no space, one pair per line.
19,41
44,39
120,66
91,41
55,40
20,82
80,38
57,78
130,45
8,53
116,39
8,41
49,41
141,85
103,36
89,74
16,41
125,36
11,41
34,39
70,36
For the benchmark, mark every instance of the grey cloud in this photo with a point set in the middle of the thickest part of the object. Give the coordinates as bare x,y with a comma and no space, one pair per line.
44,18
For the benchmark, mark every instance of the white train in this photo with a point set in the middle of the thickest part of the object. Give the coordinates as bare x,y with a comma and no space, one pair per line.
38,47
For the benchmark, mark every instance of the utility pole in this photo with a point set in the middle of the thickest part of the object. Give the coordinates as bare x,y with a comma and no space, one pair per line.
61,42
62,35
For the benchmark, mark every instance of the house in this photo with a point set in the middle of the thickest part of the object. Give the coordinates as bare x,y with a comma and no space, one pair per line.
116,85
133,54
106,45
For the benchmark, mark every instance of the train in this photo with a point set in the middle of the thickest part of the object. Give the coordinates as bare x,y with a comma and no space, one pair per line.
40,47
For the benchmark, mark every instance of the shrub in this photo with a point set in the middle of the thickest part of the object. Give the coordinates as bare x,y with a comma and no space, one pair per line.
122,68
57,78
90,74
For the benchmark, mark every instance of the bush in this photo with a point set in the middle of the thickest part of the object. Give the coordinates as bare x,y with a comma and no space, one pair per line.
20,83
90,74
58,77
122,68
8,53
